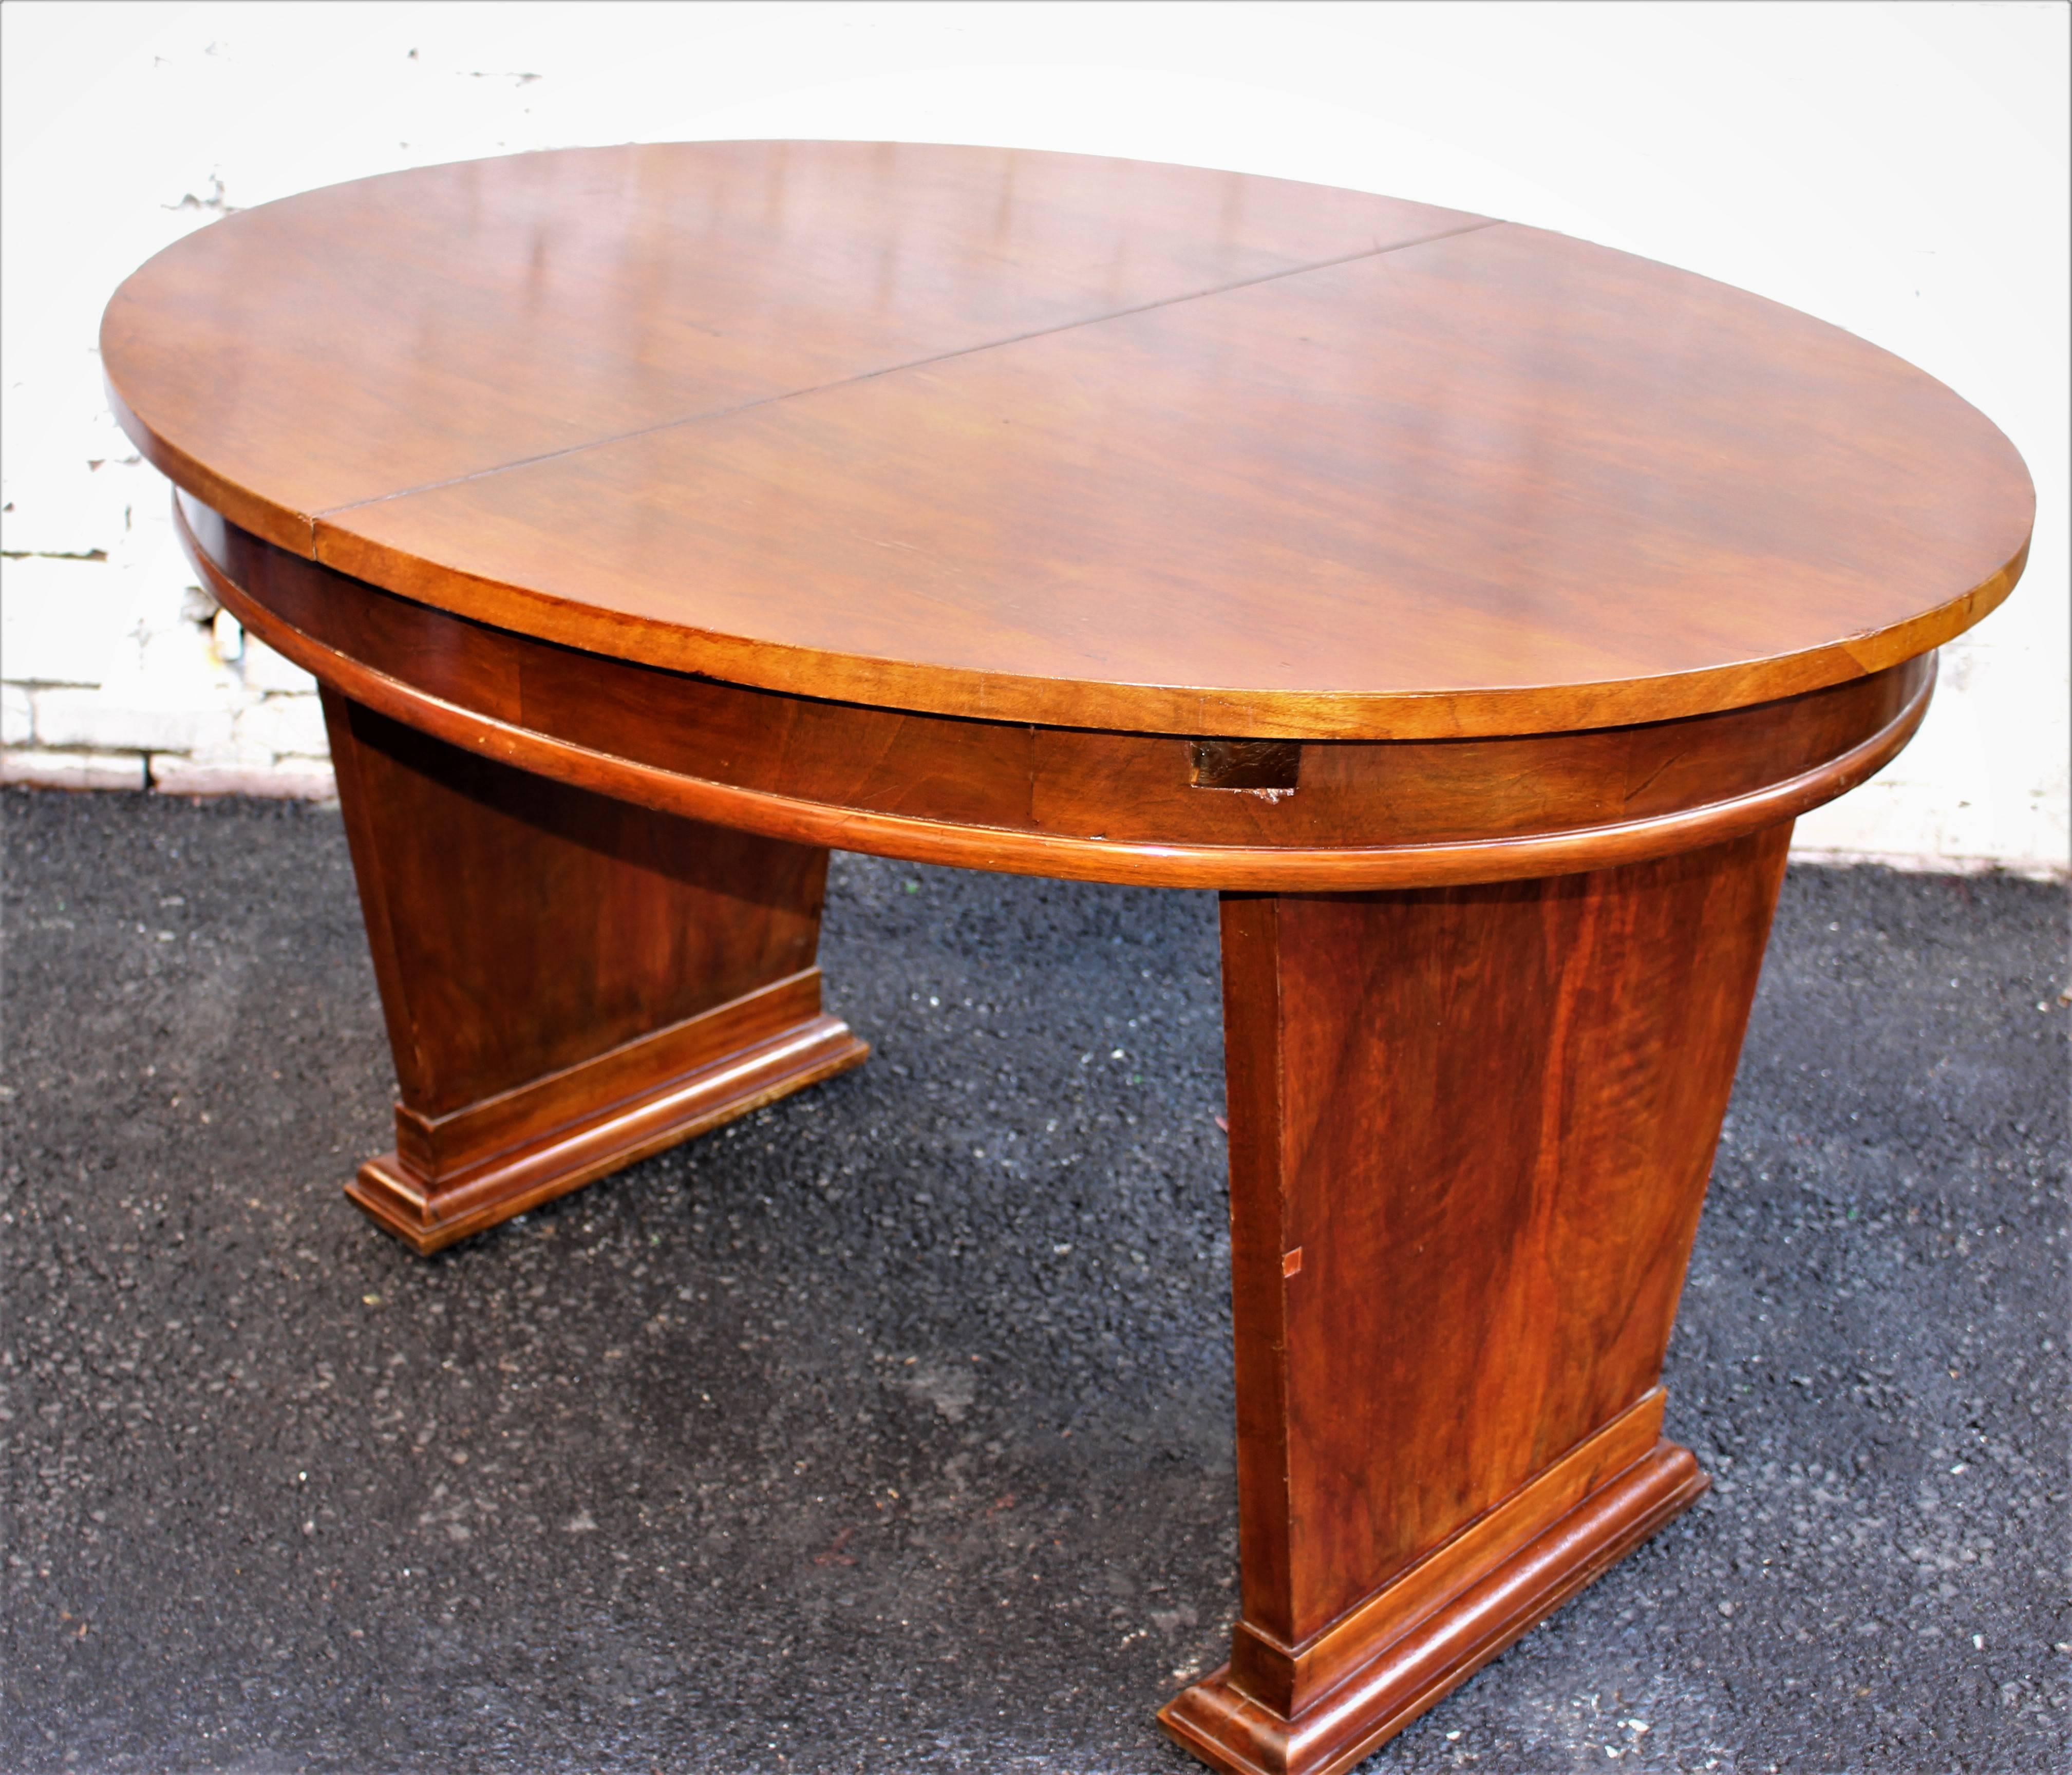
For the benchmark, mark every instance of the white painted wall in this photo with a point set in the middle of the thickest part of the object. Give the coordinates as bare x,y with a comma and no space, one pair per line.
1898,170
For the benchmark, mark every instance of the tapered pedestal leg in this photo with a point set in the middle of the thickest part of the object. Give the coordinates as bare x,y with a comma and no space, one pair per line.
570,982
1470,1130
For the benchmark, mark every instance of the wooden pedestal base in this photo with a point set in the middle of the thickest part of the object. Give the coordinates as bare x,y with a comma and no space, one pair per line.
1431,1630
704,1071
1470,1130
570,982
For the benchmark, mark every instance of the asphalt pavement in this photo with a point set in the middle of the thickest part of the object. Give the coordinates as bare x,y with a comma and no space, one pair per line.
889,1428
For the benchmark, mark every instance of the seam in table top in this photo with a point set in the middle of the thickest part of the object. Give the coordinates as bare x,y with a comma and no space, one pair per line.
893,369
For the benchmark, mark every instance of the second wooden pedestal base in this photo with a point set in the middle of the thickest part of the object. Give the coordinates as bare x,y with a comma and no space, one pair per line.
465,1172
570,982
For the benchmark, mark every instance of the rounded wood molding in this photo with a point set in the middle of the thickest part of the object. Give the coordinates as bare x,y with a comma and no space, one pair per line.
919,787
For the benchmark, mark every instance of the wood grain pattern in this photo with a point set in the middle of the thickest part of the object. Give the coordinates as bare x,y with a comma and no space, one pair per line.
1448,483
1485,1116
1096,805
453,319
569,981
1475,607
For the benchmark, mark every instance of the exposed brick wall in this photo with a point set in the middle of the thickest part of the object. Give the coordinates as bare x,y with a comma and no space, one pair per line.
118,670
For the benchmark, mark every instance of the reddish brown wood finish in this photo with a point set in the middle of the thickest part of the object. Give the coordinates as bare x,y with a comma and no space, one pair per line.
569,982
1626,522
451,320
1475,607
1484,1116
1076,443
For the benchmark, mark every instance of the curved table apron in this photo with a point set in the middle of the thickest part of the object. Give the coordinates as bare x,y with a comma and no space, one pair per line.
1082,804
1492,755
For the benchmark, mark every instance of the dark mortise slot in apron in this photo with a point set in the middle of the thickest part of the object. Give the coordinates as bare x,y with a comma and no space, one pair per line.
1247,764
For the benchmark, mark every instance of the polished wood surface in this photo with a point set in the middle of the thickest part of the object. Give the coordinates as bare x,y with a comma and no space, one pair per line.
570,982
1474,607
452,320
1035,438
1470,1131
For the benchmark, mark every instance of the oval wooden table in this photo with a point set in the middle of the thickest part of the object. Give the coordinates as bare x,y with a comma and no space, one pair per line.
1474,607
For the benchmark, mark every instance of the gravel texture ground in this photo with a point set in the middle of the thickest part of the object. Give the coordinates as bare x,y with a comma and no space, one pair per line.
888,1429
